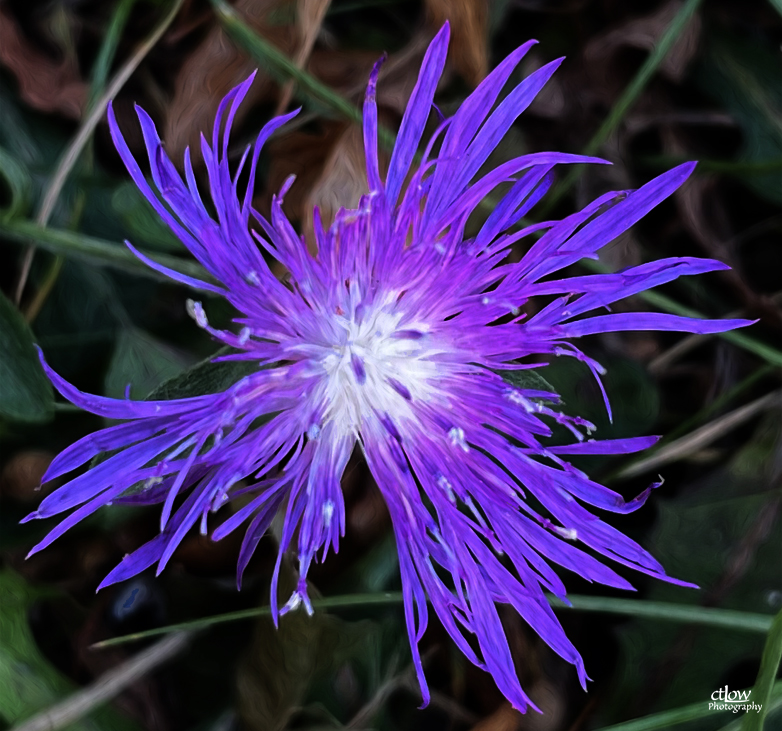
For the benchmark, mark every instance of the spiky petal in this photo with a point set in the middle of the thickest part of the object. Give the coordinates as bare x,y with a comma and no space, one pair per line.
392,339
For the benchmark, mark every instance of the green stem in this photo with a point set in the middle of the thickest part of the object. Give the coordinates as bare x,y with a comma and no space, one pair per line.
108,49
338,602
98,251
629,97
764,685
279,64
77,144
661,611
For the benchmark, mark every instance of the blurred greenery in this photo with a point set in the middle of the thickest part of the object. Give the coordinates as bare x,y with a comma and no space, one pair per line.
28,681
25,392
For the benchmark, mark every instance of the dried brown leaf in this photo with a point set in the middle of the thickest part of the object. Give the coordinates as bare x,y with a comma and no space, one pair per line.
505,718
213,69
309,20
21,476
400,73
469,19
329,165
343,179
44,83
348,71
301,154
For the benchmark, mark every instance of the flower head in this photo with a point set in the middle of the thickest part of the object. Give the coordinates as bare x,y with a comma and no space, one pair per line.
392,339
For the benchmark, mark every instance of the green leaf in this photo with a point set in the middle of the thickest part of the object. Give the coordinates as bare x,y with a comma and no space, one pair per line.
744,75
141,358
144,225
527,379
25,392
205,377
141,361
285,667
633,394
19,185
764,685
28,682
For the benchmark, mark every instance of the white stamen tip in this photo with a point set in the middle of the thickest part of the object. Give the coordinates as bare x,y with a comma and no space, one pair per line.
328,512
456,435
445,484
293,602
569,534
196,311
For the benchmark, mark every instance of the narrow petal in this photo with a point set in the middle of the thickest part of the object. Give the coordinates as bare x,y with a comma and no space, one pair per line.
416,114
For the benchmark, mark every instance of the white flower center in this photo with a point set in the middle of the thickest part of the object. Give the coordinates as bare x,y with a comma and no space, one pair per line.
380,368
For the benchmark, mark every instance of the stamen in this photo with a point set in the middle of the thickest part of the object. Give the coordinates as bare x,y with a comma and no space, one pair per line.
456,435
358,369
400,389
196,311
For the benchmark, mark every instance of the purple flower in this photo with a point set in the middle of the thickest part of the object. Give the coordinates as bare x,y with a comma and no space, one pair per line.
392,339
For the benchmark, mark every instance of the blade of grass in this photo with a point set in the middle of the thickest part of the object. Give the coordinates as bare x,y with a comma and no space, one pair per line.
764,685
718,403
676,716
106,687
97,251
627,99
309,22
644,75
689,424
662,611
108,49
703,436
668,612
336,602
19,185
100,74
769,354
773,706
285,69
71,154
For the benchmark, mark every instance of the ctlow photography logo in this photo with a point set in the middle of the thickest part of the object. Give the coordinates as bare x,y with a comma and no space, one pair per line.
725,699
